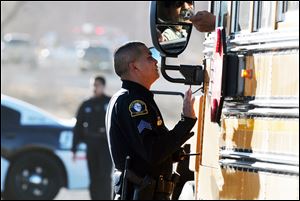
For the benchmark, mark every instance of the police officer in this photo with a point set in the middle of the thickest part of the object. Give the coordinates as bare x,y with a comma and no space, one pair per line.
135,127
90,129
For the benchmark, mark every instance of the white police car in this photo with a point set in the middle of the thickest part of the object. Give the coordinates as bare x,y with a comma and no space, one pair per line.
36,157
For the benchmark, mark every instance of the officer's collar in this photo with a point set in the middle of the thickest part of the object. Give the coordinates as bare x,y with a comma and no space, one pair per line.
130,85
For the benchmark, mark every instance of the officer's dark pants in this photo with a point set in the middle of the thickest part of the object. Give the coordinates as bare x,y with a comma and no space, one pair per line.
158,196
162,196
100,169
130,195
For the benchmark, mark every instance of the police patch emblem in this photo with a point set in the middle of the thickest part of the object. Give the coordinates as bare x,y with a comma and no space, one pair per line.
138,108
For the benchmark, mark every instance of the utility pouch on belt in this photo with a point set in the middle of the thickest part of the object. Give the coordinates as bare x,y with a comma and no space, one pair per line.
145,190
164,186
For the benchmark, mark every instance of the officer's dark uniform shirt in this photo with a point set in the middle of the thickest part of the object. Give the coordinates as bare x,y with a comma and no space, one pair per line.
90,125
135,127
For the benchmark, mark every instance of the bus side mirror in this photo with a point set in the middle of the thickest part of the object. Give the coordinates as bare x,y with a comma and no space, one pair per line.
170,31
170,26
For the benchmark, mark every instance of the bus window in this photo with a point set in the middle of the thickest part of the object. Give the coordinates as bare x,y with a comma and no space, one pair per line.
287,14
265,15
243,16
223,14
215,7
220,9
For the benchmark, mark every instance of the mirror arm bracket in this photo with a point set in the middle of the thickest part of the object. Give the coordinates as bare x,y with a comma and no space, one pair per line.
193,74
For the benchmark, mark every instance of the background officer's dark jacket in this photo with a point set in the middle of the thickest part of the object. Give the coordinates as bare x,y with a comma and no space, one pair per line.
90,125
135,127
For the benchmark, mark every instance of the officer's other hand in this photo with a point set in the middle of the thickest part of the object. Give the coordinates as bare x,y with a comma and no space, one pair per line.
188,105
204,21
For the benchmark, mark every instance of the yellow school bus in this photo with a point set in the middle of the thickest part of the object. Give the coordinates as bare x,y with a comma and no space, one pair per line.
248,115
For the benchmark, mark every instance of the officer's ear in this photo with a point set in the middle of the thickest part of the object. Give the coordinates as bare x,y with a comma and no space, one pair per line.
133,66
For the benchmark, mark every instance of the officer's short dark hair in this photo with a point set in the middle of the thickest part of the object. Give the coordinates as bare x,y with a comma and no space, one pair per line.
100,79
126,54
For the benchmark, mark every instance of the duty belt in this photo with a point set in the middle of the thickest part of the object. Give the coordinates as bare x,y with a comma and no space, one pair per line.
162,184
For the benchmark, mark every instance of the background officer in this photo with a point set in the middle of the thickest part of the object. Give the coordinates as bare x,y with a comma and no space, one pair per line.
135,126
90,129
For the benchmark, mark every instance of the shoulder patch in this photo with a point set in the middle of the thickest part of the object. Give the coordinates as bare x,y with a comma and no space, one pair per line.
137,108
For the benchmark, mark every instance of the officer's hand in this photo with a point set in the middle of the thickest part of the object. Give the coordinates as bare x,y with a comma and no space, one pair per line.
188,105
204,21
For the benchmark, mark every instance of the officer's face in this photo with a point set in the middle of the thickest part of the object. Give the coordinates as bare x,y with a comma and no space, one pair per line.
98,88
147,66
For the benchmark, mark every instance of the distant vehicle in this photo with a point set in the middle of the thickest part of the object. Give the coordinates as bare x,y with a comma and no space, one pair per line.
36,160
64,56
17,49
95,57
